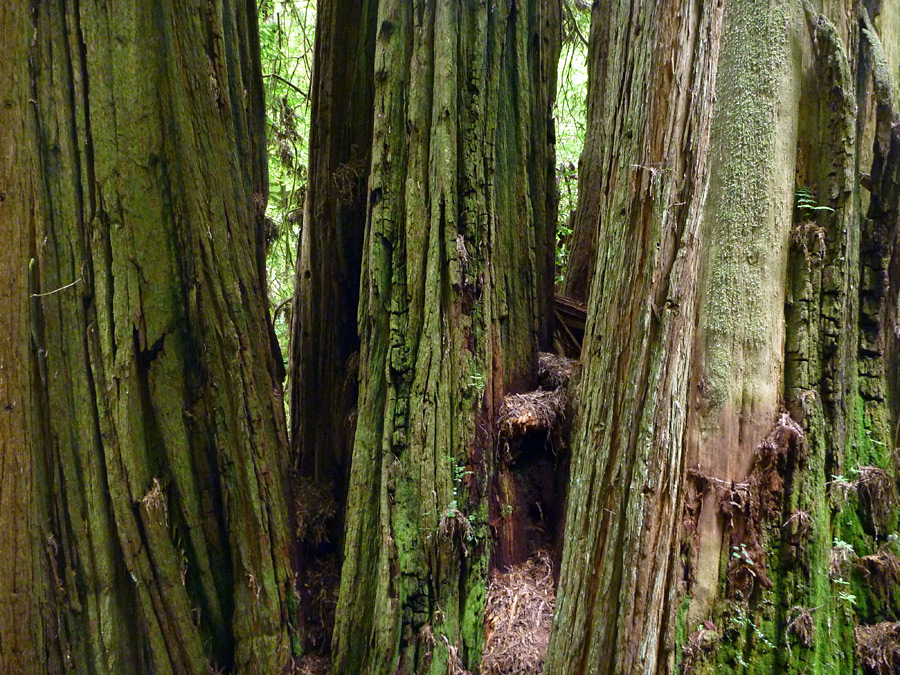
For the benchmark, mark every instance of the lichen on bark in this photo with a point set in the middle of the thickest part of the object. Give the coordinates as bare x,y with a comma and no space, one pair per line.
779,436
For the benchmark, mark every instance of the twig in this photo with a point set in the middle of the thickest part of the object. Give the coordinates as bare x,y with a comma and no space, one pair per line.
288,83
279,308
43,295
575,25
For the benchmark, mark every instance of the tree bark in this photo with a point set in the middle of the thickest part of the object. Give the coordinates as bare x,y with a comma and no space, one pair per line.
739,335
27,621
457,274
325,344
153,486
324,341
603,88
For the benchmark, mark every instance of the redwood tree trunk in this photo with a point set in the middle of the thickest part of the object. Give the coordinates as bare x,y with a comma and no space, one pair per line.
733,485
27,622
325,344
455,297
324,340
148,517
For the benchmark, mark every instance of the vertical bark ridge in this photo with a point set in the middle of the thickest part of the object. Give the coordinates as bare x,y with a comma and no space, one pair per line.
747,139
324,357
325,346
165,433
26,579
746,232
454,282
625,496
819,354
782,465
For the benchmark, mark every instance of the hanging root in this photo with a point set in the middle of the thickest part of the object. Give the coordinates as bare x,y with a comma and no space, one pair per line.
802,625
517,617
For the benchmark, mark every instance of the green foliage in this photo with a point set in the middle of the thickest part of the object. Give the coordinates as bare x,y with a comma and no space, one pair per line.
476,379
571,94
459,473
806,203
849,598
570,113
742,621
287,30
741,554
843,545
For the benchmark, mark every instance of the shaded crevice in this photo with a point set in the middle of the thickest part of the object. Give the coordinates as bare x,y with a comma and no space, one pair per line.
528,505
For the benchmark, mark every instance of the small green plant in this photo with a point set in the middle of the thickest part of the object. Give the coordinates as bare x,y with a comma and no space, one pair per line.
476,378
849,598
741,554
893,543
806,203
843,545
840,487
459,473
744,621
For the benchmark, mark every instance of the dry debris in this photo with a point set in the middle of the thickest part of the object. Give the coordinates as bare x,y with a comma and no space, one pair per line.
747,505
544,410
309,664
315,508
799,524
802,625
882,570
571,318
454,663
878,647
321,594
455,526
517,618
877,497
555,370
876,492
535,411
702,641
840,557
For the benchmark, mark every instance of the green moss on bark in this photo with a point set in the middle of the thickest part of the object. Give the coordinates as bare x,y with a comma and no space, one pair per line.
456,287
